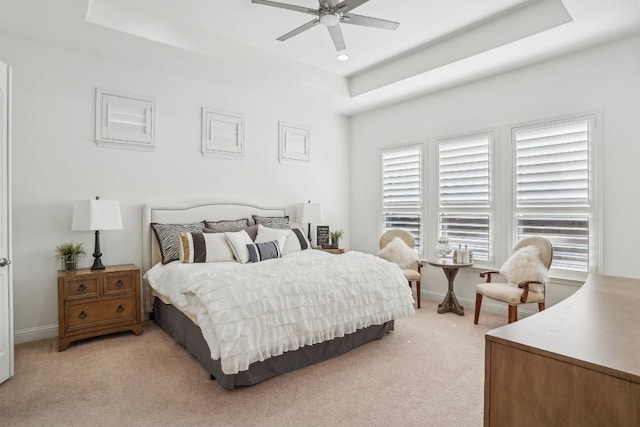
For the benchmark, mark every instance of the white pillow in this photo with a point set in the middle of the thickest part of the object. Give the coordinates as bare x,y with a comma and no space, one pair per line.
266,234
204,247
238,241
525,264
296,242
399,253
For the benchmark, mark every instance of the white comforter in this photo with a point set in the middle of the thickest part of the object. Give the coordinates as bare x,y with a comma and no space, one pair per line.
261,310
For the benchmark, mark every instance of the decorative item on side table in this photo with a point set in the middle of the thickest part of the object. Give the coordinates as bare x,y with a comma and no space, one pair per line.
69,254
96,215
310,213
322,236
335,237
443,248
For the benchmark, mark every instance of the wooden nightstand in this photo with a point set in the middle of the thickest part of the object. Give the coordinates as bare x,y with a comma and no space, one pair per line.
98,302
332,251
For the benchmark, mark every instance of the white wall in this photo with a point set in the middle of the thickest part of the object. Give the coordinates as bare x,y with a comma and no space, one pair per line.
56,161
605,78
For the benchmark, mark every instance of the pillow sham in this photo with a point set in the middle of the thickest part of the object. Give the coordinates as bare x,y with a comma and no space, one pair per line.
222,226
252,231
525,264
296,242
266,234
263,251
279,222
397,252
200,247
238,241
168,237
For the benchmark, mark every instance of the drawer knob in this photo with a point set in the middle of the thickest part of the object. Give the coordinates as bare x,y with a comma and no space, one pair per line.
120,309
119,283
82,314
82,287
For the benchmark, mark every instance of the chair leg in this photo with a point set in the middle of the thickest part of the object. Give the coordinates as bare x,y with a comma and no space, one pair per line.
541,306
476,313
513,313
418,291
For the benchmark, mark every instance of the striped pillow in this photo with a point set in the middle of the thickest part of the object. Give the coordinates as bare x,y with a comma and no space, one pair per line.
296,241
263,251
168,237
200,247
281,222
222,226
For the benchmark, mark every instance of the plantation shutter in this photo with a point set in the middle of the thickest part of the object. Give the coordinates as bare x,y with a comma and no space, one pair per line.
464,193
553,188
401,191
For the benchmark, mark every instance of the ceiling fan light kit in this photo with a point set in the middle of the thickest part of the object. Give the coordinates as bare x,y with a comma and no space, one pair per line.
331,15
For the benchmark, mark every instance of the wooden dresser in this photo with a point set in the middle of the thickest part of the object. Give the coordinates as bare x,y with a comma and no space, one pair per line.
575,364
98,302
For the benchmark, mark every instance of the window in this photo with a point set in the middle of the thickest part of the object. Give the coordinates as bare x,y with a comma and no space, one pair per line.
402,190
553,188
464,192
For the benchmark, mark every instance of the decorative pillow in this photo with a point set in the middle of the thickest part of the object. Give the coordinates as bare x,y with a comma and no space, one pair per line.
525,264
200,247
296,241
279,222
238,241
266,234
168,236
222,226
263,251
397,252
252,231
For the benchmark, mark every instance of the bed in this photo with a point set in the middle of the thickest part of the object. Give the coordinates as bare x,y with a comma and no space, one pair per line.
317,305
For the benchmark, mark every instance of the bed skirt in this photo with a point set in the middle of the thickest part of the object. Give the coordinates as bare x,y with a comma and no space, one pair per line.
189,335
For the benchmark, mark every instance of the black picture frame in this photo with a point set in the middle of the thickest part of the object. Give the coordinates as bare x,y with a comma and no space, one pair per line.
322,236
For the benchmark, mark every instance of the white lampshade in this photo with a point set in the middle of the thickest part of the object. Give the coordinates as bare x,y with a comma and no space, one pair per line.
311,213
96,215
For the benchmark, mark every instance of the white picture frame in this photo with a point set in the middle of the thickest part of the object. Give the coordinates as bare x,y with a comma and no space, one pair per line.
125,120
222,133
294,142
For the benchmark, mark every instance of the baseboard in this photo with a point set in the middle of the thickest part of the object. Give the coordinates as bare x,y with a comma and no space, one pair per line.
488,305
35,334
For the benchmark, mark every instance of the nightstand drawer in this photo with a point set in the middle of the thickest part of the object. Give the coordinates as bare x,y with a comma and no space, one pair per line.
116,283
100,312
82,287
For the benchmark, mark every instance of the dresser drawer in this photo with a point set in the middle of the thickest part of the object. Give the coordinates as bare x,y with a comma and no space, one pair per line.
100,312
116,283
81,287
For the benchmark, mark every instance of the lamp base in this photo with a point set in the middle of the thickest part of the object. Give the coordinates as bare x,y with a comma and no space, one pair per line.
97,262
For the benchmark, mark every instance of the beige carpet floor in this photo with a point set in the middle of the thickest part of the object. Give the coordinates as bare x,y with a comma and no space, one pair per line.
428,372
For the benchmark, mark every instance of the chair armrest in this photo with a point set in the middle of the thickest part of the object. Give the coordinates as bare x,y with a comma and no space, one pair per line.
488,274
524,285
419,266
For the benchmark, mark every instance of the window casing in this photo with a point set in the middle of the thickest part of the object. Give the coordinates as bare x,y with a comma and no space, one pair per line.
402,190
464,192
554,194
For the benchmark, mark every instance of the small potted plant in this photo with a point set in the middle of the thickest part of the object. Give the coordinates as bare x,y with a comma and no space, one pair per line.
69,253
335,237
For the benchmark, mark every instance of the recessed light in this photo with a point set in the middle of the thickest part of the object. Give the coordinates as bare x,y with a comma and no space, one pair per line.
342,57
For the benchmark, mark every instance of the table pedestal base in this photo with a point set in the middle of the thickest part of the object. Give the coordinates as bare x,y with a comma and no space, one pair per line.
450,302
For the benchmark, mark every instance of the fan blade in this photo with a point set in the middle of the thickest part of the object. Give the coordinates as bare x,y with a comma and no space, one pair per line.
286,6
367,21
298,30
336,36
348,5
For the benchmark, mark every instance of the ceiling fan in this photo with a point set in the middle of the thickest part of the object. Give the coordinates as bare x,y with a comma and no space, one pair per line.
331,14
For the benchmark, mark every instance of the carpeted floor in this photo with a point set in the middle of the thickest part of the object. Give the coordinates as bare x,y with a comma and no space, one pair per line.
428,372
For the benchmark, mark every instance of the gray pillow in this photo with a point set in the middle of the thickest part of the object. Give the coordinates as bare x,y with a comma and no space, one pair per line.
280,222
252,231
263,251
223,226
168,237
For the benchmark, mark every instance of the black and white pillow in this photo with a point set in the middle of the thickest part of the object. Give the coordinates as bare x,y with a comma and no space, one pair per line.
222,226
296,241
280,222
263,251
168,237
200,247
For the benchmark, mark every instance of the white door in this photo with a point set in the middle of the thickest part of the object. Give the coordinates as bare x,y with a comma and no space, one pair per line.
6,296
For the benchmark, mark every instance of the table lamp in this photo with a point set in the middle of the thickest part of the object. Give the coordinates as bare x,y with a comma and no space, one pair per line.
310,213
96,215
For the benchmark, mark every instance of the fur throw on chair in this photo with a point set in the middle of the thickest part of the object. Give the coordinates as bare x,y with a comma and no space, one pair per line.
399,253
525,264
